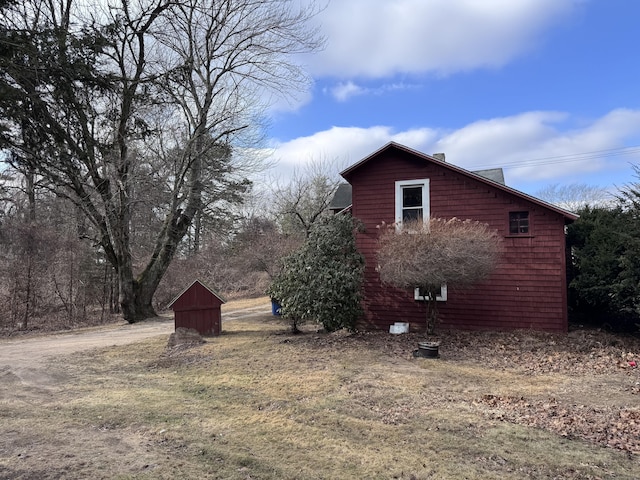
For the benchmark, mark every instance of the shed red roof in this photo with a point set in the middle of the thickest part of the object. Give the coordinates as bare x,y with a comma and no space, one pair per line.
216,295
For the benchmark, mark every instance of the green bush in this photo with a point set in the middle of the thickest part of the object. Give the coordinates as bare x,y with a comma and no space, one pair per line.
604,272
321,282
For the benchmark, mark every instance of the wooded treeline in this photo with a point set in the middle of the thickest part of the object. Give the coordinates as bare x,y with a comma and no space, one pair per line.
52,275
143,120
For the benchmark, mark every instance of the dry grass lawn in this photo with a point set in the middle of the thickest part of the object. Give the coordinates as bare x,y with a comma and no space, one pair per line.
259,403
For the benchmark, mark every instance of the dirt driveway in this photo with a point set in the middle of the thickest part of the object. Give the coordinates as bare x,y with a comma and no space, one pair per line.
24,359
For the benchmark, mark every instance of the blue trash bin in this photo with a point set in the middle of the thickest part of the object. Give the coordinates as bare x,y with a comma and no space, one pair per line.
275,307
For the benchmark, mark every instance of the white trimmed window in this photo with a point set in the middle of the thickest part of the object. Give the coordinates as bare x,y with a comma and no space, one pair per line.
441,296
412,200
412,203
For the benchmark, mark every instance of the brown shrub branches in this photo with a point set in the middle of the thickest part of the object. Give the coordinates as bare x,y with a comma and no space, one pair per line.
430,254
441,251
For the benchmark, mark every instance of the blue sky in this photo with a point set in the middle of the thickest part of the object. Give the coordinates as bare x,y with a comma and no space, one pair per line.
547,89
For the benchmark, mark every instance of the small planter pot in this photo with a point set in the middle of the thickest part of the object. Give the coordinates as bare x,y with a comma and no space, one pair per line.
427,350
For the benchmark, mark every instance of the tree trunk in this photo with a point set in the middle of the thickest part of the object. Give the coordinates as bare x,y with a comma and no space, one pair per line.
136,301
28,292
432,310
114,305
30,246
136,294
197,231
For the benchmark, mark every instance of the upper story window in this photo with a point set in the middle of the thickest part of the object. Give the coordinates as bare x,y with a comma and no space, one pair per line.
412,200
519,223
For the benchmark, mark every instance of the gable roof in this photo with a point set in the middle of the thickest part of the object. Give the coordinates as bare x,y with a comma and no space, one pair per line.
475,175
211,291
342,198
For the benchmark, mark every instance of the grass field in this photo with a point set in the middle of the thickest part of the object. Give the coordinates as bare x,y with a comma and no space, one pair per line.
259,403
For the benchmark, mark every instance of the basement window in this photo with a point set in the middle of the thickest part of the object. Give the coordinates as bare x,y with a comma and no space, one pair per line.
519,223
441,296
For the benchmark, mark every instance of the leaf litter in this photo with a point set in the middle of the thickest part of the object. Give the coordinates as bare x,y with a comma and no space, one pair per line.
609,361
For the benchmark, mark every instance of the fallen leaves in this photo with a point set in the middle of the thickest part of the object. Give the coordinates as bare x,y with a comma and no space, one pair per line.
587,353
617,428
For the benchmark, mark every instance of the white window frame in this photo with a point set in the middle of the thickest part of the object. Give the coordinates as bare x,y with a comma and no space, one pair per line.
439,298
426,213
426,207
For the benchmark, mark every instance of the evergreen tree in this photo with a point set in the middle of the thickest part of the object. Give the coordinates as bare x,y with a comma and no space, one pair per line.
322,281
604,272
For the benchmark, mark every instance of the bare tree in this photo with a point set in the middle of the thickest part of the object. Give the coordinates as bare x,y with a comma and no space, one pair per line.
261,246
96,90
48,276
575,196
306,197
439,252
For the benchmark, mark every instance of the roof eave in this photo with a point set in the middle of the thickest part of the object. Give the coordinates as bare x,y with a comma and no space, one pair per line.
213,292
570,216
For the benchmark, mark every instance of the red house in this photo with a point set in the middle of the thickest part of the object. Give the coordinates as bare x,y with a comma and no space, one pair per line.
527,290
198,307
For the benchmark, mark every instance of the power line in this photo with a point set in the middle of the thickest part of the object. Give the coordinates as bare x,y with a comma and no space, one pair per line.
573,157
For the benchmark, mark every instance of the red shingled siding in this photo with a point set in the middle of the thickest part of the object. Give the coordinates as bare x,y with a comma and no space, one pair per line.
528,290
198,308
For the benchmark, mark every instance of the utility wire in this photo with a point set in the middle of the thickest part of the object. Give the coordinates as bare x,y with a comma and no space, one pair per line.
574,157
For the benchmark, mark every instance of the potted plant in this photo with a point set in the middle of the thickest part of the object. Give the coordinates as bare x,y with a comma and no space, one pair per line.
434,254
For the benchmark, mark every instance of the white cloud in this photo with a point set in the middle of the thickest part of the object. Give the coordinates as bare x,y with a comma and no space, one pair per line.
346,145
534,148
343,91
544,146
379,38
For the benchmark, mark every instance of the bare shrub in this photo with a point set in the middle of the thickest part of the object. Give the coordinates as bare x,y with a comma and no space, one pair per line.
430,254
